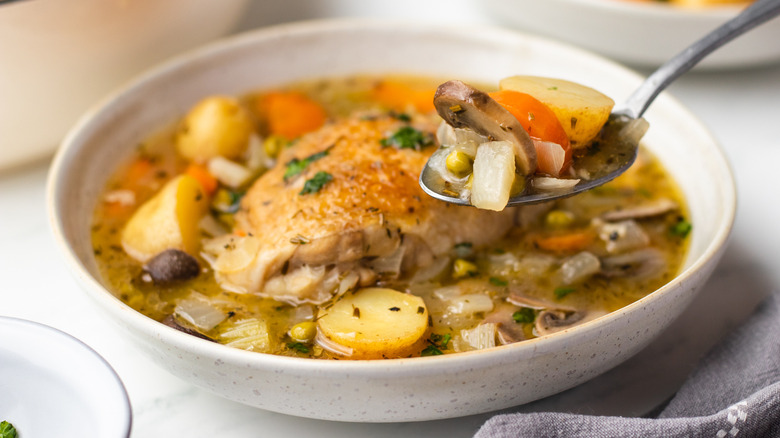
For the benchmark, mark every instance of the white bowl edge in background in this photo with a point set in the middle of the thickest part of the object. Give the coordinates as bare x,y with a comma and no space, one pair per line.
404,389
52,384
642,34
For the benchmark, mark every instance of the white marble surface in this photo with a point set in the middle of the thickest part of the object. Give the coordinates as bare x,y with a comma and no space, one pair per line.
742,109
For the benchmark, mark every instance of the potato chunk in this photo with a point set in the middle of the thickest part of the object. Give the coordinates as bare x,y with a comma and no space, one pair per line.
376,323
167,220
216,126
581,110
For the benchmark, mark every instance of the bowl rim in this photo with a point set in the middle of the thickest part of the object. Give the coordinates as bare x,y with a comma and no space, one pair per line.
417,365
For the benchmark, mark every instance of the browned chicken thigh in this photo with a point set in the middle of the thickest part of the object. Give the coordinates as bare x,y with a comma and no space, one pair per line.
354,214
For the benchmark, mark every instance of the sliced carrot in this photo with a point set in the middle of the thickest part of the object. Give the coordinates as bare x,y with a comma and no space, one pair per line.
540,122
204,177
138,170
575,241
397,95
116,209
291,114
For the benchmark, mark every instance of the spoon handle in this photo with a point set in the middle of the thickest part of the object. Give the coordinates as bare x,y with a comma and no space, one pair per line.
755,14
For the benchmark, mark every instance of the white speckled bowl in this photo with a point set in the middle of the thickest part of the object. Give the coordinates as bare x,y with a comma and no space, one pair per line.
403,389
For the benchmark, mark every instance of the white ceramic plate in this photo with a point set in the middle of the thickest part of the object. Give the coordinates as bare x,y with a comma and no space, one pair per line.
53,385
643,34
403,389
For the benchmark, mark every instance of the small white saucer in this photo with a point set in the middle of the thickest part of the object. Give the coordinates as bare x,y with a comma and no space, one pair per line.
53,385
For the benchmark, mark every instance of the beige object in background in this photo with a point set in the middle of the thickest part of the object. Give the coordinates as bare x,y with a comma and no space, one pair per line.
58,58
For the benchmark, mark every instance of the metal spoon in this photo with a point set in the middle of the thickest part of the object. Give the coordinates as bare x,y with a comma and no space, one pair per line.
619,141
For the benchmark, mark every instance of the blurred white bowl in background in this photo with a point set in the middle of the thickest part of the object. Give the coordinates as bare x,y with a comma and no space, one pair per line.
53,385
643,34
60,57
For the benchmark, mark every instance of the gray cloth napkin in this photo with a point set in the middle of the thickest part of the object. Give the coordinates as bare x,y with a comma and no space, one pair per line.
735,391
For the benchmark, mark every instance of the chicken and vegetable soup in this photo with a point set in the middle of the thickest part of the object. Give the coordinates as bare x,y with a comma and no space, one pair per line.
290,221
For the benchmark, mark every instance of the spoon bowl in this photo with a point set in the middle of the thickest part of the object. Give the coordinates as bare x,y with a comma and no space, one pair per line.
618,143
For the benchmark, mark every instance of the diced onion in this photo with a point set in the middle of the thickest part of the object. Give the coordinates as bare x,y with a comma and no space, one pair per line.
122,197
550,157
301,282
480,337
256,157
228,172
449,136
494,173
232,253
348,282
549,184
333,347
389,265
470,304
211,226
579,267
447,293
432,270
445,133
249,334
197,310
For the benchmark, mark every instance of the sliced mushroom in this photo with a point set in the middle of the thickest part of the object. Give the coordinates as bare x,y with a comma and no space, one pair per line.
518,298
646,210
463,106
173,322
640,264
555,320
622,236
508,330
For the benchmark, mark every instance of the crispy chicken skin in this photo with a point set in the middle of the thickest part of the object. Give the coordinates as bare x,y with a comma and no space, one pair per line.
304,246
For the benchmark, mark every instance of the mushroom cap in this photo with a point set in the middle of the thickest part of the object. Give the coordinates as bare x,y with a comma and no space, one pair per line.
463,106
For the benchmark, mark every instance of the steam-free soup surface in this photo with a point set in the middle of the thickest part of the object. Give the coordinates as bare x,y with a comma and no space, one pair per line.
290,221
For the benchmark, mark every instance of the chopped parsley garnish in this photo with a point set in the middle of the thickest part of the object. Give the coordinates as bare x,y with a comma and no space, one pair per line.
407,138
402,117
298,165
681,228
561,292
316,182
495,281
438,343
464,249
299,347
7,430
226,201
431,350
524,315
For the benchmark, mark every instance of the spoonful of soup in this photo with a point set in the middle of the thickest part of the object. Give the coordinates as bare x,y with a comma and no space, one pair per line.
539,139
